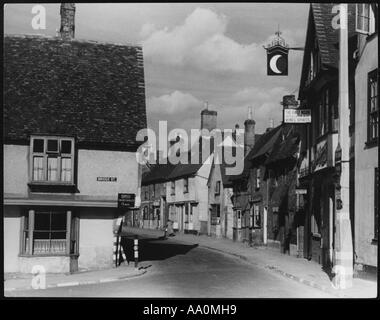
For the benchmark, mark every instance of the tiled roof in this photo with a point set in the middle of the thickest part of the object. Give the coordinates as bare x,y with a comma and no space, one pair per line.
166,172
265,143
158,173
320,27
93,91
284,149
261,147
326,35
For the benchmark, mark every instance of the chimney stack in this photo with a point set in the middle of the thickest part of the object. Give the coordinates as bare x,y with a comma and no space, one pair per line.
289,101
271,125
208,118
249,132
67,29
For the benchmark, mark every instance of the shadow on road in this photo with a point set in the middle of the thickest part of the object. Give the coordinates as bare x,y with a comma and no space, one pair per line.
154,249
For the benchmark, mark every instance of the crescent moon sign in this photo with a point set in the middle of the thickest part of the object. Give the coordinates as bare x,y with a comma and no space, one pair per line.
273,63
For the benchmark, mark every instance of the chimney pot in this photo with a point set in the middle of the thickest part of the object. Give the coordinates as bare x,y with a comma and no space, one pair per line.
249,132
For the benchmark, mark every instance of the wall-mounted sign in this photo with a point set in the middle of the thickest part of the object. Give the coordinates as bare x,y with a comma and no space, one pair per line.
297,116
106,179
301,191
126,200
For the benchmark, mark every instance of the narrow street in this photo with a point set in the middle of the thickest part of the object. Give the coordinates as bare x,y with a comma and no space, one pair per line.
177,270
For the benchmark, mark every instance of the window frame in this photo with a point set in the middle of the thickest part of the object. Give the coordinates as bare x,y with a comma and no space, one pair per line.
186,185
372,141
45,155
258,178
217,187
71,239
153,190
172,188
370,19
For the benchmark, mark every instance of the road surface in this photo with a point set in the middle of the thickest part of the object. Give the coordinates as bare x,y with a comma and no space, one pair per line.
179,270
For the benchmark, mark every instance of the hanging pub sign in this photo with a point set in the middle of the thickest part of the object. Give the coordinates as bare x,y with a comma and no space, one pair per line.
126,200
277,57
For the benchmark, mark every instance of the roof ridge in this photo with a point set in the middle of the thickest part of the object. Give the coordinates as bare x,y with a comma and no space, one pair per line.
79,40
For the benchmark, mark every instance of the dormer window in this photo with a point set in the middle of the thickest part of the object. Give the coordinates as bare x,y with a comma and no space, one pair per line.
52,159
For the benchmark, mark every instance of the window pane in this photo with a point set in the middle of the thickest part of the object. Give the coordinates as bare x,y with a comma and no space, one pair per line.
52,145
66,146
38,168
38,145
66,170
40,235
58,235
58,221
42,221
52,169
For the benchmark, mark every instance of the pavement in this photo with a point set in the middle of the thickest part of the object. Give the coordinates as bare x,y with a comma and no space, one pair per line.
301,270
21,282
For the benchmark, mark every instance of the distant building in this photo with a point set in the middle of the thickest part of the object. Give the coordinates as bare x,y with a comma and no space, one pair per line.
220,192
366,140
71,113
178,192
247,223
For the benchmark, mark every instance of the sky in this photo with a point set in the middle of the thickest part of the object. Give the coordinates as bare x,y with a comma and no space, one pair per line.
193,53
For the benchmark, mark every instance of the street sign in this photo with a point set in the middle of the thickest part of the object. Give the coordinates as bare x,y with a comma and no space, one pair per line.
297,116
126,200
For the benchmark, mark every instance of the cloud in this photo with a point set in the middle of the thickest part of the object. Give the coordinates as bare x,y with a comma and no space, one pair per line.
201,42
147,30
182,109
259,95
176,102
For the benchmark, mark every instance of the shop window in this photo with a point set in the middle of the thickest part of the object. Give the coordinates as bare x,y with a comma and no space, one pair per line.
373,107
50,233
52,159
